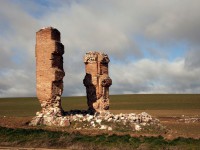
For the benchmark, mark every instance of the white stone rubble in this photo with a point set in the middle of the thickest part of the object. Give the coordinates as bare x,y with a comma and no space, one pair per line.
187,119
105,120
88,120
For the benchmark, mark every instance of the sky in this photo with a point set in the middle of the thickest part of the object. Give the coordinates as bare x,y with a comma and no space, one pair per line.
153,46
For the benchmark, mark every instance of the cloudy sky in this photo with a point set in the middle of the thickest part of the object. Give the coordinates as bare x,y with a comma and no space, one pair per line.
154,45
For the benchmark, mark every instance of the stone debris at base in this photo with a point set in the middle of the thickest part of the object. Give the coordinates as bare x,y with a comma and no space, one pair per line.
101,121
49,86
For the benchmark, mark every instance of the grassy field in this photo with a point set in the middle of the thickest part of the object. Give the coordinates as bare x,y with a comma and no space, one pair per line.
56,139
159,105
15,112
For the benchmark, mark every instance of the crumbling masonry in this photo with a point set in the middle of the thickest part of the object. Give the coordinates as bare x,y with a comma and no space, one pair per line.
49,76
49,69
97,81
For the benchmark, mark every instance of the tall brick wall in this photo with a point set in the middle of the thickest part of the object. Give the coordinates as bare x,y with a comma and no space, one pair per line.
49,68
97,81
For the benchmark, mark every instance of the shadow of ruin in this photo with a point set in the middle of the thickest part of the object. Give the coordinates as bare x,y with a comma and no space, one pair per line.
49,84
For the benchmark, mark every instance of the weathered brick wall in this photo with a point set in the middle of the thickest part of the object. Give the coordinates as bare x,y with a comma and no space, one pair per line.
49,68
97,81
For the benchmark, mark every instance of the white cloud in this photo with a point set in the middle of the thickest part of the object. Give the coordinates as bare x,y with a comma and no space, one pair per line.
192,59
15,82
84,28
149,76
110,26
175,20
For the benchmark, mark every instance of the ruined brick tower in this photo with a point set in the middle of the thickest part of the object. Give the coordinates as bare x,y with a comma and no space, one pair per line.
97,81
49,70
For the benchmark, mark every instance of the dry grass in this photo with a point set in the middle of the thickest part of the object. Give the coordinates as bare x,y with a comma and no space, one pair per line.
155,104
167,107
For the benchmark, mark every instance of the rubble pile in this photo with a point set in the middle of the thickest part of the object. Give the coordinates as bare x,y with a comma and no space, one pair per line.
87,120
107,120
49,79
50,116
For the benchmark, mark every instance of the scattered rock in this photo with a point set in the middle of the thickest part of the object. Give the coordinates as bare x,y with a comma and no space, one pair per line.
98,121
187,119
137,127
89,118
110,119
103,127
109,128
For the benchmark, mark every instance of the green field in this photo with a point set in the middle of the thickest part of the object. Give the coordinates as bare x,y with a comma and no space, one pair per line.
15,112
156,104
57,139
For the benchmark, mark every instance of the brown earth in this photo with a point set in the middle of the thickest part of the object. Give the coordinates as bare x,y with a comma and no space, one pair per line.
175,128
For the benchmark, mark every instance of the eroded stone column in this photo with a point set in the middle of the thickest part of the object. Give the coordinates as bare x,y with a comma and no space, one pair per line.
49,70
97,81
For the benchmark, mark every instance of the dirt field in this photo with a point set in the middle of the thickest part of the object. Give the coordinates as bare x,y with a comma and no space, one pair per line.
161,104
174,111
180,114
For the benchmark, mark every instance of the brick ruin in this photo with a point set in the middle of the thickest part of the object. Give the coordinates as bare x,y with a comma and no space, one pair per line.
49,78
97,81
50,73
49,69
